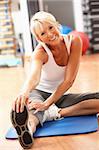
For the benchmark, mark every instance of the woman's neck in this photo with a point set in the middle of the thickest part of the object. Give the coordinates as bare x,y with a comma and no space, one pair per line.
58,46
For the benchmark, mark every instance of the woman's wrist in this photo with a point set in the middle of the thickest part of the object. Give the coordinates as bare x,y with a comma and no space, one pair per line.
46,103
24,92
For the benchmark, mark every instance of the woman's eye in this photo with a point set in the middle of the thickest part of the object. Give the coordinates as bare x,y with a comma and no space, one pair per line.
42,33
50,27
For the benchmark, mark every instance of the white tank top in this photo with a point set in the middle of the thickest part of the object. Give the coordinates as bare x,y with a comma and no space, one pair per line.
52,74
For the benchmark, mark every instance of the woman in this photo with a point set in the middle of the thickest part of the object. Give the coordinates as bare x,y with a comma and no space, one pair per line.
55,63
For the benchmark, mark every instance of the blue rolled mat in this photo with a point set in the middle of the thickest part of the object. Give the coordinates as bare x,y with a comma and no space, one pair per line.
68,125
65,29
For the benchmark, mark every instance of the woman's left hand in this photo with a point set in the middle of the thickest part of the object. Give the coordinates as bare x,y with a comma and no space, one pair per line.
39,106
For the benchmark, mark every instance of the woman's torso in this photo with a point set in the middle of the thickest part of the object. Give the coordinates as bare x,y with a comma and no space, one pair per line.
54,69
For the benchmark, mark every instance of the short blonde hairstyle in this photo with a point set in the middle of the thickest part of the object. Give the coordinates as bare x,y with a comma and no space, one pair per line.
41,17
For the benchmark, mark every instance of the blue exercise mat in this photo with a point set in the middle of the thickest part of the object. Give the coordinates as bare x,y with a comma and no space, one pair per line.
68,125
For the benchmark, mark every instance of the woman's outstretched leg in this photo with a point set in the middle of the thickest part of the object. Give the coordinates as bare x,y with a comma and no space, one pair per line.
85,107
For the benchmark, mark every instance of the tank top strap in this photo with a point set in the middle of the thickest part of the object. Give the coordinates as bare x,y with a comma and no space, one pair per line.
46,48
68,41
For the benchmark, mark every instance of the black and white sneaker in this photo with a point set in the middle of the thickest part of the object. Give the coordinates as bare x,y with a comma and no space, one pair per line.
19,121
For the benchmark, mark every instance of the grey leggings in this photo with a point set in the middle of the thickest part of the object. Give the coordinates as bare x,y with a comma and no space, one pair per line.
65,101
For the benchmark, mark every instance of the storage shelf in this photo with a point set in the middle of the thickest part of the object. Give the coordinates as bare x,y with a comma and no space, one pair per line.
7,36
91,22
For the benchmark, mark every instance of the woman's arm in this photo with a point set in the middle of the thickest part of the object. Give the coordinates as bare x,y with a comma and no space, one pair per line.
32,81
39,57
33,76
71,72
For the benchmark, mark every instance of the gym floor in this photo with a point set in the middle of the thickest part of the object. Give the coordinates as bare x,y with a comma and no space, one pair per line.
11,80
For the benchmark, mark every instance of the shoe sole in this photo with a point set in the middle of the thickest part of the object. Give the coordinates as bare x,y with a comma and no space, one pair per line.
19,121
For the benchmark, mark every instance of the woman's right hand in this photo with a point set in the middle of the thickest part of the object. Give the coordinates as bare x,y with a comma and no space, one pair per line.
20,102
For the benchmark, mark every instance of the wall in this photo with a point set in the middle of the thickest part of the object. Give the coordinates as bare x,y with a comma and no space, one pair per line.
78,15
62,10
26,27
21,23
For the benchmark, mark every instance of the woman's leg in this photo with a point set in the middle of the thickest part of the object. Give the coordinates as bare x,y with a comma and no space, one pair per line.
40,117
86,107
79,104
52,113
34,120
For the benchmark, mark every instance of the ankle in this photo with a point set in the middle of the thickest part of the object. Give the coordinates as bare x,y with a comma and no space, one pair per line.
32,123
32,128
63,113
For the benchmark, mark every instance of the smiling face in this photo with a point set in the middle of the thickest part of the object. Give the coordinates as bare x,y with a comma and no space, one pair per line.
47,33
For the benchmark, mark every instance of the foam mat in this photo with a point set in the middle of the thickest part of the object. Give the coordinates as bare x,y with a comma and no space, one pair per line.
65,126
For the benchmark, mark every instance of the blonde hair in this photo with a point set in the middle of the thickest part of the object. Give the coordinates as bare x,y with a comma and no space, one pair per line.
41,17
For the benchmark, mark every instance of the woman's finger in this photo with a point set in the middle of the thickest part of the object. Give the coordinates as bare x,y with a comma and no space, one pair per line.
27,101
22,104
31,107
14,105
37,110
18,104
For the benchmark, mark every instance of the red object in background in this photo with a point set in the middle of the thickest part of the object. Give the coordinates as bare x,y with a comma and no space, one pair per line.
85,40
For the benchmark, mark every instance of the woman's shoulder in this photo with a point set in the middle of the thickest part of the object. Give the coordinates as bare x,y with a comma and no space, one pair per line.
76,45
76,40
39,47
39,53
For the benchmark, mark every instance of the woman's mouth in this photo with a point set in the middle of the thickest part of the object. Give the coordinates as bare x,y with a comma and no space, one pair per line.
53,38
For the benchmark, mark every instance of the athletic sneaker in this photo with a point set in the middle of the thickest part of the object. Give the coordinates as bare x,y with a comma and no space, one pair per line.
52,113
19,121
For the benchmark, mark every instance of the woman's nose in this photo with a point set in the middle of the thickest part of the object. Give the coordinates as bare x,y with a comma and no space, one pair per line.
50,34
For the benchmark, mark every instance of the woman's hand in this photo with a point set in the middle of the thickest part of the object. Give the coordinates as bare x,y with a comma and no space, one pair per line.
39,106
19,102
